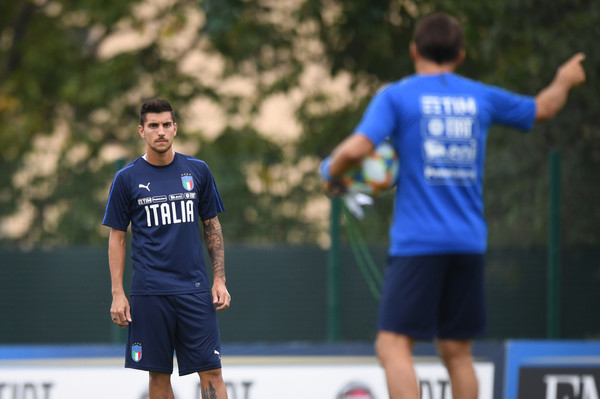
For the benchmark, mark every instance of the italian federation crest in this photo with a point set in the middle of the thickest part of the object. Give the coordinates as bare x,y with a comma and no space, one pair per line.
188,182
136,352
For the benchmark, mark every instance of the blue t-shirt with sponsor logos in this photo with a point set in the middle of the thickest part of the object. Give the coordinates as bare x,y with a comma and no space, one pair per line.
164,205
439,125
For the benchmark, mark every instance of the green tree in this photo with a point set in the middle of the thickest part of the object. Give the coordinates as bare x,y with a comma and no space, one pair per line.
70,102
72,76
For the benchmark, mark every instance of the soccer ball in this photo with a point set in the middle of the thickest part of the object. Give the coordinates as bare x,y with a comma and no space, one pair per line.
376,173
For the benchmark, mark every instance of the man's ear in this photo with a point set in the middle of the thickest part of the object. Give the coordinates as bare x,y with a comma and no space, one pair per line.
413,52
141,131
462,54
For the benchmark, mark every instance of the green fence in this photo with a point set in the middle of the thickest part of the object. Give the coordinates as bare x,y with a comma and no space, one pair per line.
280,294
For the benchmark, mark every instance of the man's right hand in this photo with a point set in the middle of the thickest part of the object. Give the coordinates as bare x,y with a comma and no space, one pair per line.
334,188
120,311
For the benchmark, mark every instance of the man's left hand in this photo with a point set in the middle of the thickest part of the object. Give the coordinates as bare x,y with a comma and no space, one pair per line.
221,297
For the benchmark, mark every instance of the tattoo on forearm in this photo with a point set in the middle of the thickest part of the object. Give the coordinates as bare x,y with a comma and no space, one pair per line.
209,393
213,237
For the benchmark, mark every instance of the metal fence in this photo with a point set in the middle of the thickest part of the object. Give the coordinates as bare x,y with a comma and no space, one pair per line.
280,294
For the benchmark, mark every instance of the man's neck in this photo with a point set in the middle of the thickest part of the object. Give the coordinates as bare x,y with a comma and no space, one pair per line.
426,67
159,159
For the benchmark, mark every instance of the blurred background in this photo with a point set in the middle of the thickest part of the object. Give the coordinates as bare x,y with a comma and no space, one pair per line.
262,91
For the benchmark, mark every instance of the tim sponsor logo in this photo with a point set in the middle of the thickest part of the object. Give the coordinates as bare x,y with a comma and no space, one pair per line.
559,383
448,105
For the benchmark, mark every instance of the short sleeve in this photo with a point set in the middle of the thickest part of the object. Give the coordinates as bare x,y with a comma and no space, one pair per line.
118,209
379,119
513,110
210,203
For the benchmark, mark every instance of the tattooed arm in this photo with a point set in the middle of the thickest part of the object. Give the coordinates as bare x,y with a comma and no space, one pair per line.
213,237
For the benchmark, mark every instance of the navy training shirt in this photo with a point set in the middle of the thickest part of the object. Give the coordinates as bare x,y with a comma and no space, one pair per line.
164,205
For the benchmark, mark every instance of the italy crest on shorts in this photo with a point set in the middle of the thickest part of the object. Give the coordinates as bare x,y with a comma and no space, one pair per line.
188,182
136,352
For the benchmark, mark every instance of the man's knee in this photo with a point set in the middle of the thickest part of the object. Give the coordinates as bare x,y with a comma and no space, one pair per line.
453,351
213,375
159,378
160,383
392,346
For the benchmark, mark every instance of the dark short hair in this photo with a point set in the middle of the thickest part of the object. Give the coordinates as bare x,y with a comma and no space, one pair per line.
439,38
155,106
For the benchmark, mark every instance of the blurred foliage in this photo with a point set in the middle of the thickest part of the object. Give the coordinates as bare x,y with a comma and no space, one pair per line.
55,81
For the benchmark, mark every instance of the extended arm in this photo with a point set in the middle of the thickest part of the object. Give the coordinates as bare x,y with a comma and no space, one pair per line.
213,237
553,98
119,310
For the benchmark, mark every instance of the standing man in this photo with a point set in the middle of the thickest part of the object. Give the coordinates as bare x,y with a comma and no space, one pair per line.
438,122
164,195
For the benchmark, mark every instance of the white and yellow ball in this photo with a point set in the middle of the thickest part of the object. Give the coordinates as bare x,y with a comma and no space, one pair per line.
376,173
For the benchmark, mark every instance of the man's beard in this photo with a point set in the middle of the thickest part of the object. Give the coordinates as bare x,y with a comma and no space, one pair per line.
161,150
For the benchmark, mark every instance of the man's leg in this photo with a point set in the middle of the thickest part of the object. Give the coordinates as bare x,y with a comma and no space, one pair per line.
160,386
213,386
395,354
458,359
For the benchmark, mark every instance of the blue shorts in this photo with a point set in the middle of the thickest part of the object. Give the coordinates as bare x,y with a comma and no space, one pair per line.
434,296
185,324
